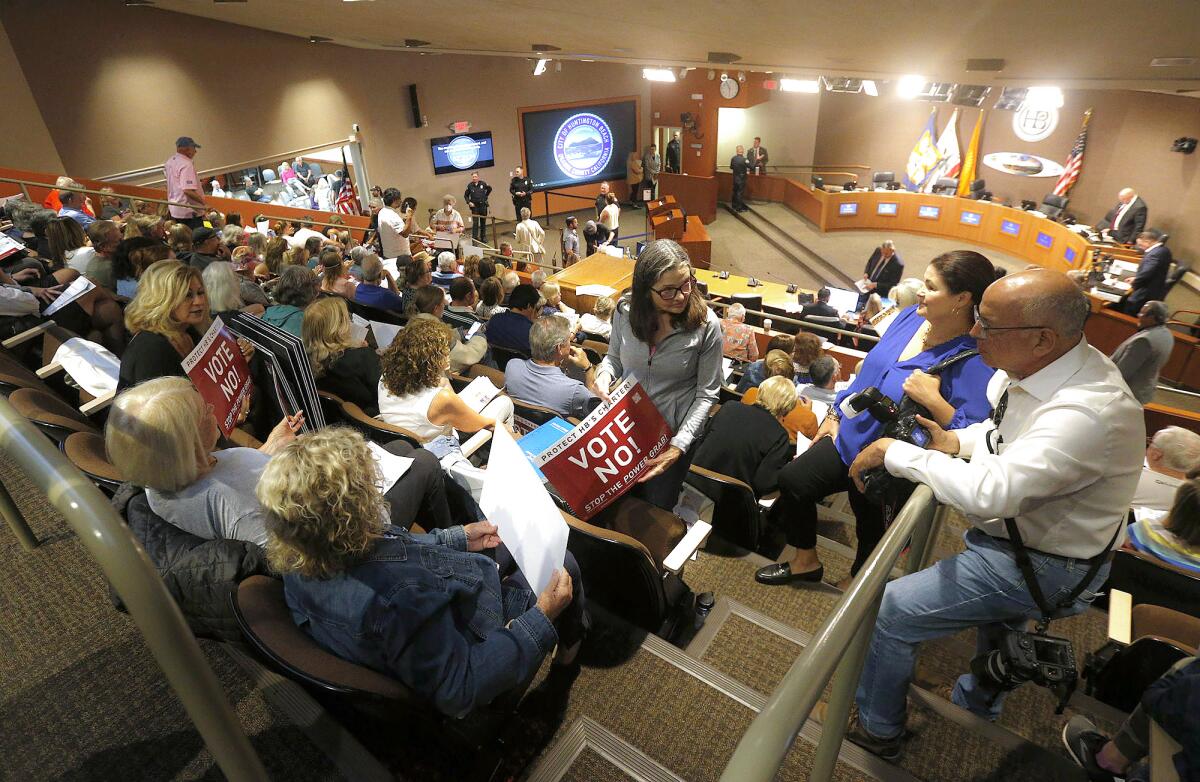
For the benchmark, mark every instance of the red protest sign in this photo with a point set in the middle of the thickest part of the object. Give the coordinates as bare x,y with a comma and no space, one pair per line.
601,459
219,372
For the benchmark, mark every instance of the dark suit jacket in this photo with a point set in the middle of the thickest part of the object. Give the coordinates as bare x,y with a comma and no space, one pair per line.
757,157
818,309
1150,283
1132,223
887,277
748,443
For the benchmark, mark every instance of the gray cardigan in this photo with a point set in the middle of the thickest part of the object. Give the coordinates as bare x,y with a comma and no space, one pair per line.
684,377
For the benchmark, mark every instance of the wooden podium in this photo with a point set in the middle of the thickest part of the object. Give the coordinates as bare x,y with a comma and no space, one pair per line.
669,224
661,206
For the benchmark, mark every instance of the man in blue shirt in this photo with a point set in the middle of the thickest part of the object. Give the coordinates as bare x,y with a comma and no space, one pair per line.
541,381
447,269
509,330
72,207
371,290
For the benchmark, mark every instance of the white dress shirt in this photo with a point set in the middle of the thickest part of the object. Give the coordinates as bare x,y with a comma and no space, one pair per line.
15,302
391,236
1073,438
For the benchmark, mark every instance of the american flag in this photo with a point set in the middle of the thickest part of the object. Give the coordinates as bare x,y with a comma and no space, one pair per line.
1074,162
347,202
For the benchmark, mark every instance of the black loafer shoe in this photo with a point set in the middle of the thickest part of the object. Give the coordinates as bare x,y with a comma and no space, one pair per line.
781,573
886,749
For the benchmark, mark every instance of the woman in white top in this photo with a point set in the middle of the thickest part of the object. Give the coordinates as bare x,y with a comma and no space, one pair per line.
415,394
530,236
610,218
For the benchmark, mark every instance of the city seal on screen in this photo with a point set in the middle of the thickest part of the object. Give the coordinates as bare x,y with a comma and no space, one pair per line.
463,152
583,145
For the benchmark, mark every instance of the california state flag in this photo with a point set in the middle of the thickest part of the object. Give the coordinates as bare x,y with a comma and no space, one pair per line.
950,162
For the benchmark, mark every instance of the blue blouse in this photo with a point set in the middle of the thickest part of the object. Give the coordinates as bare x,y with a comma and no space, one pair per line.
964,385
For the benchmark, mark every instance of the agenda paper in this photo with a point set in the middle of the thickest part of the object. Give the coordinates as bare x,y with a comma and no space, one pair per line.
526,519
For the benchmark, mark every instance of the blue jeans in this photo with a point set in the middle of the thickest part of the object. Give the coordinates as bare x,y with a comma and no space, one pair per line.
982,588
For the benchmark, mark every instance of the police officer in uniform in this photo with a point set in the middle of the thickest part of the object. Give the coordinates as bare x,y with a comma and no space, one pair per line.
476,197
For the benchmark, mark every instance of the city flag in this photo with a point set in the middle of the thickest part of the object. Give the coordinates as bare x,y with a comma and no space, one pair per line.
1074,162
971,161
947,147
924,157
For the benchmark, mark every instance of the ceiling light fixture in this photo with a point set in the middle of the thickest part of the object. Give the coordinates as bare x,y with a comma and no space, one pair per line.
138,3
909,87
1044,97
870,88
724,76
842,84
658,74
1173,62
812,86
540,68
1011,99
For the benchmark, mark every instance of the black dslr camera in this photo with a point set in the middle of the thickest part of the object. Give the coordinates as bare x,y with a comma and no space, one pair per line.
899,422
1029,657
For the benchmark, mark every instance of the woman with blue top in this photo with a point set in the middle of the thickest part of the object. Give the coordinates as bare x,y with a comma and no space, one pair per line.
1174,539
918,339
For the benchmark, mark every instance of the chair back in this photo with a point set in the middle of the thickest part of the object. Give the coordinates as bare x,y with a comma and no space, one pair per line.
1053,205
14,375
491,373
946,185
375,313
504,355
751,301
50,413
331,406
881,179
1179,268
1150,580
86,451
737,517
376,430
535,415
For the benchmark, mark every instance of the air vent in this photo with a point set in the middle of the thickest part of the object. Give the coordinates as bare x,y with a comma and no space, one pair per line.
1173,62
414,43
723,57
546,47
984,64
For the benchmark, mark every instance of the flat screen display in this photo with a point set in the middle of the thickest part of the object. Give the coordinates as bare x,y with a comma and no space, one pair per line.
580,144
462,152
843,300
886,208
1010,227
1045,240
1070,254
970,218
848,209
929,212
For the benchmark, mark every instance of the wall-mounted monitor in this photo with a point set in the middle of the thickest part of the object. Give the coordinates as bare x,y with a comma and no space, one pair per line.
1070,254
887,208
578,144
462,152
1010,227
970,218
1044,240
929,212
847,209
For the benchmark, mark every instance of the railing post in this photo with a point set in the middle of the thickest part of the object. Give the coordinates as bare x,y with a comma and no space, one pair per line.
841,696
16,520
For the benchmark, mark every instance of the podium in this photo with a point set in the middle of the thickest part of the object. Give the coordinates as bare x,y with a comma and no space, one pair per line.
668,224
661,206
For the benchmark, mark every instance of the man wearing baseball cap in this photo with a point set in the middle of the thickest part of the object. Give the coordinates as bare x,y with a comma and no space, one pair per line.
183,185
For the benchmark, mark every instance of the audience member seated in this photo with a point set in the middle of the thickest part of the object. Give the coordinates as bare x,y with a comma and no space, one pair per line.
804,347
206,248
1171,454
598,322
487,268
272,260
820,307
96,262
825,372
447,270
334,278
376,289
510,280
391,228
460,313
447,219
72,207
537,278
491,293
509,330
552,294
425,609
167,317
306,232
1174,539
294,291
540,380
68,244
132,258
749,441
739,344
224,291
349,370
179,239
800,420
430,303
416,276
415,393
1143,354
54,203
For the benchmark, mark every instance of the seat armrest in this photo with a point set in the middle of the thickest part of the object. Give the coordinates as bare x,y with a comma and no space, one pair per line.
475,442
50,369
1120,616
684,550
98,404
27,334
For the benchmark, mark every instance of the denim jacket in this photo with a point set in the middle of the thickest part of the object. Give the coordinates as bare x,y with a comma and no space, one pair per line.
424,610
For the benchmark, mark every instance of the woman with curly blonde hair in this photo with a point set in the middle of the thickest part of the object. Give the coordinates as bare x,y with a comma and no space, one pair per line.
415,393
342,367
427,609
167,317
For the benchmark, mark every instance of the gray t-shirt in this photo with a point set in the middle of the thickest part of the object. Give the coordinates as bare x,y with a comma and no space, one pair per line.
547,386
221,504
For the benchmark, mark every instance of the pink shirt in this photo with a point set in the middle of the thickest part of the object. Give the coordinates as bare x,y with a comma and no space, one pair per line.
181,175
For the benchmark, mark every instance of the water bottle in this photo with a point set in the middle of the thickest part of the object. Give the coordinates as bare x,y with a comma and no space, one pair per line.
704,605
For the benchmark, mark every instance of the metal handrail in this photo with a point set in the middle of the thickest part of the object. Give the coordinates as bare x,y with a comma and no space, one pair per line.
137,173
840,644
808,324
131,574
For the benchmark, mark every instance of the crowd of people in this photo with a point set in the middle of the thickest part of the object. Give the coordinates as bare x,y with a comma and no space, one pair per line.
1022,422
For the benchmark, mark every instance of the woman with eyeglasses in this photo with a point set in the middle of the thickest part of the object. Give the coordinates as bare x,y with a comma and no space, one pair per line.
917,339
664,333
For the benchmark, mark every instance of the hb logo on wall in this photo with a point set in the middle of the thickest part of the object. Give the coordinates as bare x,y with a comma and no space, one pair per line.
462,152
1035,124
583,146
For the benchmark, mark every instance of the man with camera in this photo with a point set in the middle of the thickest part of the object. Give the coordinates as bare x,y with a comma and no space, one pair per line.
1057,465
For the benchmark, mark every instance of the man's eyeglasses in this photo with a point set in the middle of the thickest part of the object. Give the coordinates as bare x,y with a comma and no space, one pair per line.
985,329
671,292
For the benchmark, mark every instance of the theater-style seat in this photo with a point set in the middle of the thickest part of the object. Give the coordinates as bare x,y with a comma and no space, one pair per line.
1150,580
491,373
374,429
14,375
86,451
50,413
737,516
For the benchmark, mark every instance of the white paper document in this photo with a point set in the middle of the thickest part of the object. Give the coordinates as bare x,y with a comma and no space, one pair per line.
861,285
594,290
72,292
478,393
92,366
391,466
384,333
527,520
359,326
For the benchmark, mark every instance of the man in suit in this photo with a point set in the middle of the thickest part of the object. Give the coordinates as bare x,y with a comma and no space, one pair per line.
1126,220
884,269
757,157
820,307
740,168
1143,355
1150,282
674,154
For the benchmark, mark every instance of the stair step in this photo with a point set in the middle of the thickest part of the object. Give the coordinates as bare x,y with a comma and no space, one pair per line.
587,751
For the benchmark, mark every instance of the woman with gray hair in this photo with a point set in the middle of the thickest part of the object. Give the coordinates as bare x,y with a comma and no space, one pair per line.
666,335
530,237
295,290
224,291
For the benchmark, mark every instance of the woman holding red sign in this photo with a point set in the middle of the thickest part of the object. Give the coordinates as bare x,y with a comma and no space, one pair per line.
664,334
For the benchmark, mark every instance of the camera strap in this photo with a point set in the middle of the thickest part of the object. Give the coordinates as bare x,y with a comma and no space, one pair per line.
1035,589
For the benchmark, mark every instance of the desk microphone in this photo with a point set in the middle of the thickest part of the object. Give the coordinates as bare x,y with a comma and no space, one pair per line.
752,283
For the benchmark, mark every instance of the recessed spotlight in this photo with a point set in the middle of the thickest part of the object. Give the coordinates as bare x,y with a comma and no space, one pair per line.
800,85
658,74
909,87
558,65
1044,97
724,76
540,68
1173,62
870,88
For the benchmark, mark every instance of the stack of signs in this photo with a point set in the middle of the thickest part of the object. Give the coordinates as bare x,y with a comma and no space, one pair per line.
287,364
220,373
602,458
